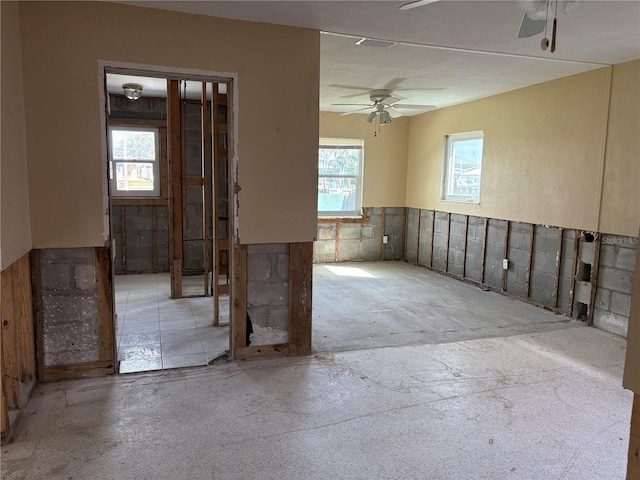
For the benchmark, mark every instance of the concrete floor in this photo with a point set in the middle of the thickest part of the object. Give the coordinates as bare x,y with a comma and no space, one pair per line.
544,404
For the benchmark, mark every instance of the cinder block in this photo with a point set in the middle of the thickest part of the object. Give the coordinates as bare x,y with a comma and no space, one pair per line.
55,276
586,251
614,279
259,268
518,256
608,255
85,277
620,303
626,259
370,231
610,322
521,276
325,247
267,294
350,232
544,262
326,232
496,232
323,257
582,292
268,248
282,266
603,298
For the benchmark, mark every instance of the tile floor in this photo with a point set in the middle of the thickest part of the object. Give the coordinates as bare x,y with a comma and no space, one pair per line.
155,332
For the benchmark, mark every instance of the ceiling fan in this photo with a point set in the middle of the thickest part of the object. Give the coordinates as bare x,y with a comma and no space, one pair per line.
382,104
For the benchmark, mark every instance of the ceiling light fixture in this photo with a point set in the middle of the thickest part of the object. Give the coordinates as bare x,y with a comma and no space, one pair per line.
132,91
371,117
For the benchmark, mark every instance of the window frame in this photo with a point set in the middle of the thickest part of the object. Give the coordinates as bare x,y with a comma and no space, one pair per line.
156,192
343,143
447,164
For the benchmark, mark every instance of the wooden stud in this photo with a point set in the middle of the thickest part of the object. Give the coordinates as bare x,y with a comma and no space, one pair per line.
446,250
23,310
4,411
527,285
216,207
337,249
123,231
238,320
433,227
300,297
418,238
484,249
594,275
164,168
505,254
9,333
464,246
104,288
364,219
382,230
175,186
574,268
633,459
556,284
208,186
36,288
405,227
99,368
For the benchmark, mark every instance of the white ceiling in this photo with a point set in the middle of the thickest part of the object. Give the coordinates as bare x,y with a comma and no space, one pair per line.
450,51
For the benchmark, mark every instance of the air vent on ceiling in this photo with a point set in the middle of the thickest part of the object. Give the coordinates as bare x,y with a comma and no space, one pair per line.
371,42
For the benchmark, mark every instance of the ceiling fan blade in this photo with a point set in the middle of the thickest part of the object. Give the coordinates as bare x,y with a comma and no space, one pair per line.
529,27
353,105
356,111
393,112
407,105
390,101
418,3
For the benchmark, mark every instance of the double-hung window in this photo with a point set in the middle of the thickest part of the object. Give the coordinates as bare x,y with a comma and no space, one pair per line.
462,167
340,163
134,162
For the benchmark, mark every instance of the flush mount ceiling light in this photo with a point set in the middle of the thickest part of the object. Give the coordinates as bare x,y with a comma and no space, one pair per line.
132,91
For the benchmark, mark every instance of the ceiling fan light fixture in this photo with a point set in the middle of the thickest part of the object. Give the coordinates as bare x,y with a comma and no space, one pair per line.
385,118
371,117
133,91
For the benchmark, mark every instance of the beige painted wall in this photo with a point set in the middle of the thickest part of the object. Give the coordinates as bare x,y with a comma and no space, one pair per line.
15,236
385,156
278,72
543,152
620,209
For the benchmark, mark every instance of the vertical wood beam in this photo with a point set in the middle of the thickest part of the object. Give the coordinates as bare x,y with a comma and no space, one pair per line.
104,288
484,249
527,284
433,225
207,209
594,275
507,228
382,229
418,238
175,186
238,320
464,246
556,283
23,310
574,268
633,458
446,250
9,329
123,230
300,297
37,312
215,181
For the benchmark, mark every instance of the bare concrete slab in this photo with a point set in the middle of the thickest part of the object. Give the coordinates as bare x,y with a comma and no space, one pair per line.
364,305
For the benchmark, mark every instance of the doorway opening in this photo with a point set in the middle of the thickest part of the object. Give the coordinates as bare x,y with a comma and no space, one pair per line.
168,165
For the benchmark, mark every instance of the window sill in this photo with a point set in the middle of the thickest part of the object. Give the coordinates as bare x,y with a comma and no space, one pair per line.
351,219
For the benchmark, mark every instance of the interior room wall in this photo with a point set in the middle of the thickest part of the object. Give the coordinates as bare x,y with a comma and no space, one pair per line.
543,152
277,140
15,240
385,155
621,183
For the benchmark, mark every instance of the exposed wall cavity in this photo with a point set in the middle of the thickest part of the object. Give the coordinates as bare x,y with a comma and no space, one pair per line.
268,293
69,306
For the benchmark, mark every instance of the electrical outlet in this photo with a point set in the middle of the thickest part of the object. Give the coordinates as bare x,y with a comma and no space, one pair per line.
505,263
385,239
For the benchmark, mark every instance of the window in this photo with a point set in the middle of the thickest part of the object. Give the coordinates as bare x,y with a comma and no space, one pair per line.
340,177
134,163
462,167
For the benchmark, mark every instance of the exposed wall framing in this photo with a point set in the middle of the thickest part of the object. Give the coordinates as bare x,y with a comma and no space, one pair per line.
18,359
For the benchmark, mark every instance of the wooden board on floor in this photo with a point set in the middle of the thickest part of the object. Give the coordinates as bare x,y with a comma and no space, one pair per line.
104,287
262,351
9,340
23,310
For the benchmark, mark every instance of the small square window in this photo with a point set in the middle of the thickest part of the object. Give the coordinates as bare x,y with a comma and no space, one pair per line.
134,164
462,169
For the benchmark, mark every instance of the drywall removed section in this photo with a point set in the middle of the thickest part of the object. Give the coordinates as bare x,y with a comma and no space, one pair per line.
268,293
379,235
615,283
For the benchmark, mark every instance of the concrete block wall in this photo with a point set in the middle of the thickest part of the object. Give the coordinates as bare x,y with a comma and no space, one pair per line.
146,238
439,252
412,234
475,240
69,301
425,236
268,292
615,280
494,254
456,258
543,266
361,241
518,255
